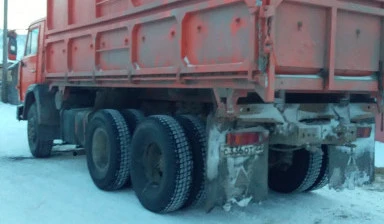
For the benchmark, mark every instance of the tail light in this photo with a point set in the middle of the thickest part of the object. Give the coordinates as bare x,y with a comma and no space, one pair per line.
245,138
363,132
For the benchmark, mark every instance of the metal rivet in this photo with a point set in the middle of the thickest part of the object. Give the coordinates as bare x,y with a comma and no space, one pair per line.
358,32
299,25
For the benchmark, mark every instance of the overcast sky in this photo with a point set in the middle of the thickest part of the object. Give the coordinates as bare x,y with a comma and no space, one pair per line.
22,12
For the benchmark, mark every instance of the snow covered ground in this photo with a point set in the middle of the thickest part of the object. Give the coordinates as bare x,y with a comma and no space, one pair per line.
59,190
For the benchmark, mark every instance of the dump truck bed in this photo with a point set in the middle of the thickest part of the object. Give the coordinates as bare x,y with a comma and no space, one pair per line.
263,45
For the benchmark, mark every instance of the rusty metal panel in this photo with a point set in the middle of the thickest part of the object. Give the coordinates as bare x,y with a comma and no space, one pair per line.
155,44
311,45
357,43
300,38
56,57
81,11
112,50
142,2
81,54
217,36
57,17
107,8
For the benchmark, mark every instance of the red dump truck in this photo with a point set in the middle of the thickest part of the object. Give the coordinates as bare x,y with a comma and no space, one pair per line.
208,102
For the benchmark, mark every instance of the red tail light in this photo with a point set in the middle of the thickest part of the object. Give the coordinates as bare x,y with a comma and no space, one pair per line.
245,138
364,132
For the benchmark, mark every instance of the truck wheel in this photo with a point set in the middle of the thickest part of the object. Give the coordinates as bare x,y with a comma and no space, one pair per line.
322,179
108,150
161,164
196,136
39,148
133,118
299,176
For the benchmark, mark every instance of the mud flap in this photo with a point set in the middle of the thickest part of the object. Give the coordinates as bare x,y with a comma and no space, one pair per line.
233,179
353,165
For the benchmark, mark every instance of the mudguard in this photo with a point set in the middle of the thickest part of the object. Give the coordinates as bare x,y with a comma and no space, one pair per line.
47,114
234,178
45,102
352,165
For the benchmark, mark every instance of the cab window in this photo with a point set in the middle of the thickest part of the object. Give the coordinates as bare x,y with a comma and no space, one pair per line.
32,43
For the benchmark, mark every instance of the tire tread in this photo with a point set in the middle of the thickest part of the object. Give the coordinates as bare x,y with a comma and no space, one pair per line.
194,128
183,178
123,137
42,149
313,171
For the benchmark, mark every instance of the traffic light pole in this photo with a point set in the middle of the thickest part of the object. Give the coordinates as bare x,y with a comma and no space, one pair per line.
4,84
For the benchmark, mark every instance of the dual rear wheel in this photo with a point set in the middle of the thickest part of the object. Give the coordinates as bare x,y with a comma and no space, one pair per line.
163,158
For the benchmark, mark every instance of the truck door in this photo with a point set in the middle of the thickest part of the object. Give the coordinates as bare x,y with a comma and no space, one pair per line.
29,63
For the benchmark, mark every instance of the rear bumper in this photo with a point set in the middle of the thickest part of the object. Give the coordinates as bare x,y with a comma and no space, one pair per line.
313,124
334,133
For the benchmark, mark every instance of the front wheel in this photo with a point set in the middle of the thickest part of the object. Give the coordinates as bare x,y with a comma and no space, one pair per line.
39,148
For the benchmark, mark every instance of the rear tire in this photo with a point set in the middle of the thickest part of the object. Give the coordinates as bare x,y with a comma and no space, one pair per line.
133,118
322,179
196,135
108,150
161,164
39,148
299,176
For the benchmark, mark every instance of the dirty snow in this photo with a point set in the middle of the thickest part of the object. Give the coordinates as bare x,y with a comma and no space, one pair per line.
59,190
213,157
379,154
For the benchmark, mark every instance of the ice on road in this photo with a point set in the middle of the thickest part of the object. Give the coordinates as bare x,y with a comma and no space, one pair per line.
59,190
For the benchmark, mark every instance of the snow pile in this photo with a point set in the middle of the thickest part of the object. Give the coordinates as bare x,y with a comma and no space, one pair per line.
13,134
379,154
216,138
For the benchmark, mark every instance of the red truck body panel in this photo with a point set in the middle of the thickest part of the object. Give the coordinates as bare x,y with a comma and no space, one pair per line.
262,45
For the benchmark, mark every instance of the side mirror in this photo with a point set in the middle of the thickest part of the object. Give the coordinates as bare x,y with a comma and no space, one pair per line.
22,64
12,45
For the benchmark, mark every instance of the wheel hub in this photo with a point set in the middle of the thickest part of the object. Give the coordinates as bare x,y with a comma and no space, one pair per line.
100,150
153,164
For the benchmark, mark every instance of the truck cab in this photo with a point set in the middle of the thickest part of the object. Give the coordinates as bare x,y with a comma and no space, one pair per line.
31,66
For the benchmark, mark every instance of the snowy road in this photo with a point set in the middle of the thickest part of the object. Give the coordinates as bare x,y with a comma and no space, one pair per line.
59,190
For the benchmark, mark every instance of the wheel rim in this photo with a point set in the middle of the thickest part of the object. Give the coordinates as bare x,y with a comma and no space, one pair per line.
100,150
153,165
